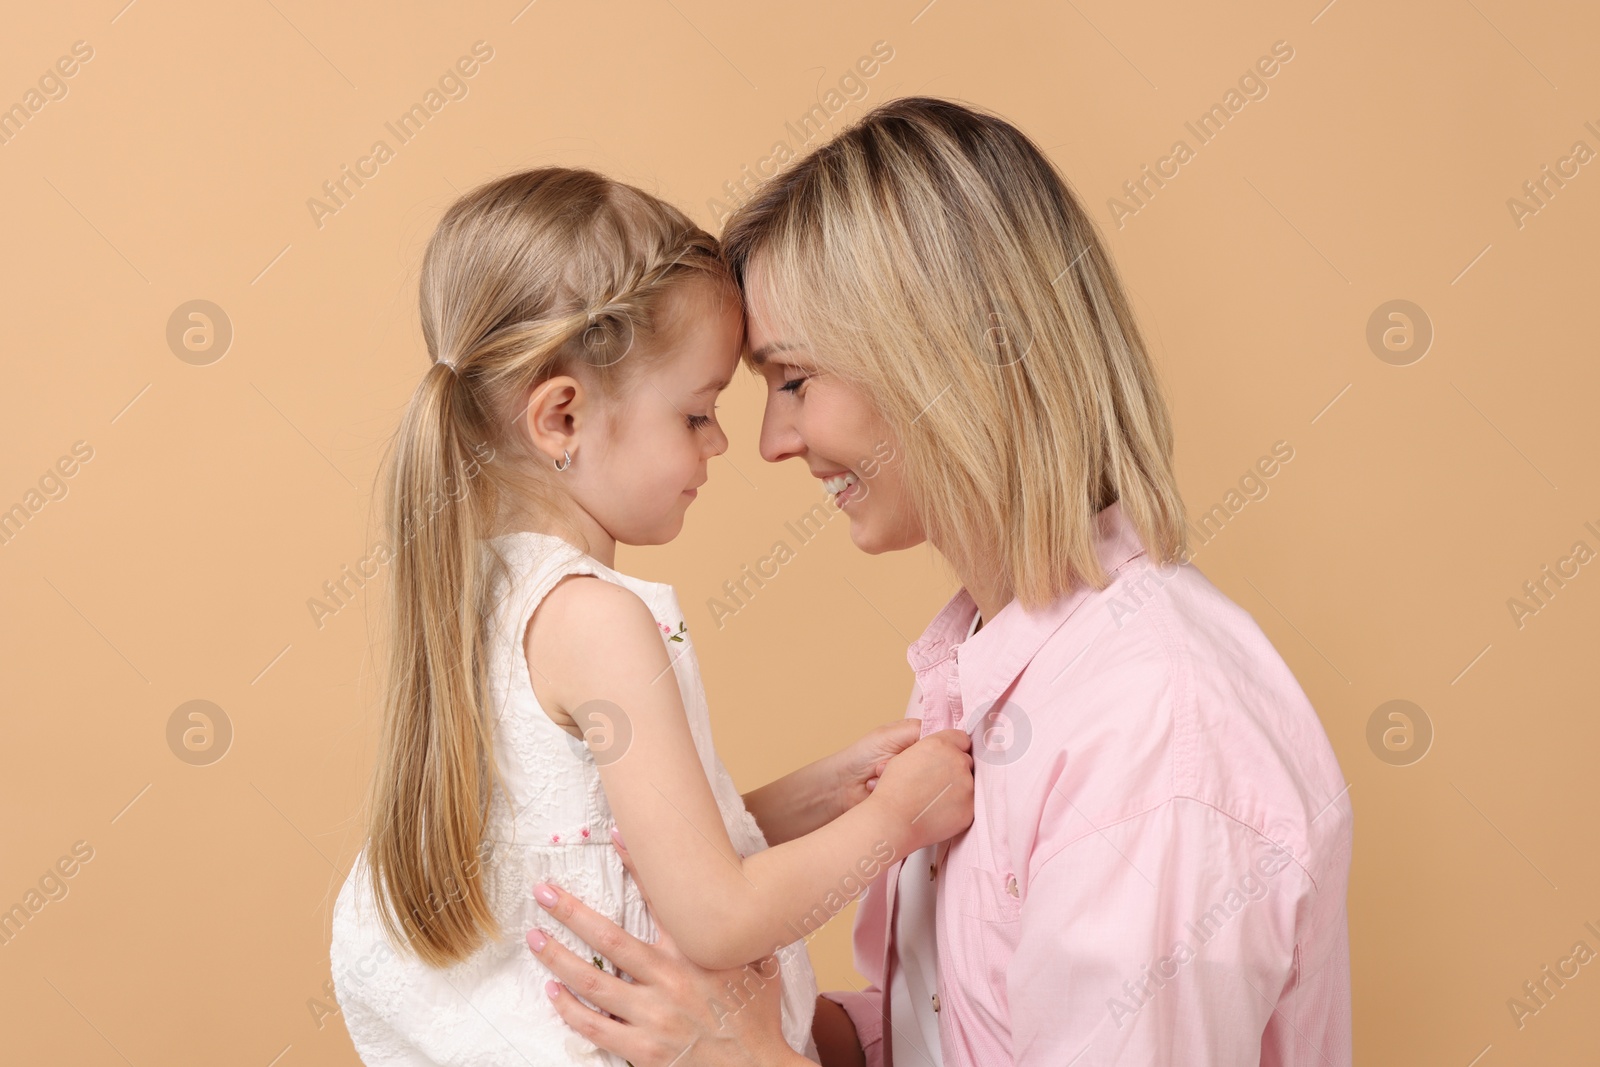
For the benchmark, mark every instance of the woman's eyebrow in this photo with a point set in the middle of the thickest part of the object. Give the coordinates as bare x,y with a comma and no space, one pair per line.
759,356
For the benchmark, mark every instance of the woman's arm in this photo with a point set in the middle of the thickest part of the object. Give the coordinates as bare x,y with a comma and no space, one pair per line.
835,1036
1183,934
601,658
821,791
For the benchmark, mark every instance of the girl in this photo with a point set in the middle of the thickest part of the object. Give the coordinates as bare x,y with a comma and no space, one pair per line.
580,331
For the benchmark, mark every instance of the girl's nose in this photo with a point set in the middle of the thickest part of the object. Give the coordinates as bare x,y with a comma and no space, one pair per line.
719,440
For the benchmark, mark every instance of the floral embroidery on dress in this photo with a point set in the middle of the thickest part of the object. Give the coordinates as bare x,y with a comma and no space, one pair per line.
556,837
682,629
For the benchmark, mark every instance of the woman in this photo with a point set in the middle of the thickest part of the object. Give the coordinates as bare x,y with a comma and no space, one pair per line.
1157,866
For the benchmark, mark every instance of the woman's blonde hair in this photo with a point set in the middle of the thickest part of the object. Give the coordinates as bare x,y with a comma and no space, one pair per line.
932,255
539,273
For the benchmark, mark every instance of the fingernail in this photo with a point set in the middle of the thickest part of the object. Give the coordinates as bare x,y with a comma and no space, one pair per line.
552,989
545,895
537,940
616,835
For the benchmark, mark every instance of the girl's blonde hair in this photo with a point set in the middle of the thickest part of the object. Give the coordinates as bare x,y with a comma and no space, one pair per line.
540,273
932,255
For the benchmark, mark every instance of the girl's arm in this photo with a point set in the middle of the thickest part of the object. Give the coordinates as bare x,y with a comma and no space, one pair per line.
819,792
597,655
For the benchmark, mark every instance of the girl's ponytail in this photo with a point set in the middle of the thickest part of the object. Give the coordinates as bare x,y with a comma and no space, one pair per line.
432,784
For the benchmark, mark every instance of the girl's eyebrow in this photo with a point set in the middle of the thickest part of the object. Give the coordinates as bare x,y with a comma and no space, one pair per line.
714,387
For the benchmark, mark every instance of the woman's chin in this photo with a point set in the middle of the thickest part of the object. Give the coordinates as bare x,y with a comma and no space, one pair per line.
875,542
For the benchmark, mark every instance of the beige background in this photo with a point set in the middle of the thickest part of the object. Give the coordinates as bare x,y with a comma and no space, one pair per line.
220,497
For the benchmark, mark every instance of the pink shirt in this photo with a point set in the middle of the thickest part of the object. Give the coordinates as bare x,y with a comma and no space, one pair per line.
1156,869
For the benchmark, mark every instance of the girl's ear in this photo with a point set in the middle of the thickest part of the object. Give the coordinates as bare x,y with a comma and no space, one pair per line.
556,410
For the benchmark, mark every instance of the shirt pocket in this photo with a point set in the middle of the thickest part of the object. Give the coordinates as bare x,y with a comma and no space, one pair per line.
989,895
983,939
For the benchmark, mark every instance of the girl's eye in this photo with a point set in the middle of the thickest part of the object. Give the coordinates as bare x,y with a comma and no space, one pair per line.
699,422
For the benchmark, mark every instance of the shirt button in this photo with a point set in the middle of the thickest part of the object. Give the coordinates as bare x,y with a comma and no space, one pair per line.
936,1003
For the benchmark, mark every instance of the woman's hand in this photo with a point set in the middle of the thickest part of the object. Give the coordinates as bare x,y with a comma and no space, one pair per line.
672,1012
821,791
860,764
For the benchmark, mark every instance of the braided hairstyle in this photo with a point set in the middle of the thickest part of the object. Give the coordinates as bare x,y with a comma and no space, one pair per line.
540,273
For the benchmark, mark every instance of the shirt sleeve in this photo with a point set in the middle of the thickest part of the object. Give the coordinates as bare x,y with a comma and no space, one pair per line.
1166,938
865,1007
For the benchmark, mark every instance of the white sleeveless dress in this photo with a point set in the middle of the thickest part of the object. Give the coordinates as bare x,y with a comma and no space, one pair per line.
490,1009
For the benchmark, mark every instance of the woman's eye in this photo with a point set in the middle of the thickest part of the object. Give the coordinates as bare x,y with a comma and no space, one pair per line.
791,385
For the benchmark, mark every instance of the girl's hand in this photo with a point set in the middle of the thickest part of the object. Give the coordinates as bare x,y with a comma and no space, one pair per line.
929,787
862,762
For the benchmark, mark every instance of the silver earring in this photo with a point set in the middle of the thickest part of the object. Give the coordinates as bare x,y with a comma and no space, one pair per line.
566,460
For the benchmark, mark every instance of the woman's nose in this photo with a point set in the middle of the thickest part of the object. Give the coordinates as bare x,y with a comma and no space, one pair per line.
780,440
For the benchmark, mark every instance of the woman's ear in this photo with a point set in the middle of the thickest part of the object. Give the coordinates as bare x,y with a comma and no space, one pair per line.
556,410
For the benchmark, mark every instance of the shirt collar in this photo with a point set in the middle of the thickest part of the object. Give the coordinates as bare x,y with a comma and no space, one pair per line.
995,655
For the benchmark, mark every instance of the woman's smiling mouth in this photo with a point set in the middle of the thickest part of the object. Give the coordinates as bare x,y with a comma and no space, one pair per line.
841,486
